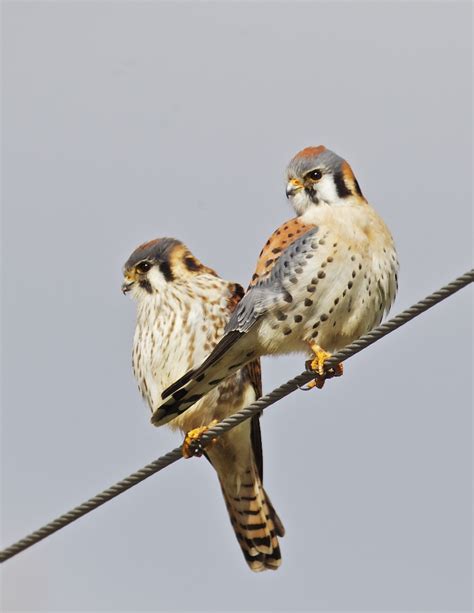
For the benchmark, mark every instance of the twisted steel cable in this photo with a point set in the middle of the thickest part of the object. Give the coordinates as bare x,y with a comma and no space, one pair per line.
232,421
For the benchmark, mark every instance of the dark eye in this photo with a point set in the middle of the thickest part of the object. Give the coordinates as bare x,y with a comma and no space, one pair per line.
143,266
315,175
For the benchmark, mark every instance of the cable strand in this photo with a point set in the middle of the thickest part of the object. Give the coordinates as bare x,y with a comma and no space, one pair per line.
230,422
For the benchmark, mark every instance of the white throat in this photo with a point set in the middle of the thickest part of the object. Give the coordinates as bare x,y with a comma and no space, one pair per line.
325,193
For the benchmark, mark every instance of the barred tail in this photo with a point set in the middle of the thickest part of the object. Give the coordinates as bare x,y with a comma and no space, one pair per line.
256,524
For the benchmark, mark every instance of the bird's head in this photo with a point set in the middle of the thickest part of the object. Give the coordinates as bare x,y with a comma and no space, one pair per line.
317,175
155,264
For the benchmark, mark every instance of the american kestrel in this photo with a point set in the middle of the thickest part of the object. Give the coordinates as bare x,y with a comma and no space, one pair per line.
323,279
182,309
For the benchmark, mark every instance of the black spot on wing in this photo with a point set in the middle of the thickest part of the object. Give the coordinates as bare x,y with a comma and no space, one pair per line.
192,399
163,415
272,287
292,260
179,394
174,387
219,350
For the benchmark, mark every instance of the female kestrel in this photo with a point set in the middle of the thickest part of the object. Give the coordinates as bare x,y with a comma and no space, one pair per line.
183,307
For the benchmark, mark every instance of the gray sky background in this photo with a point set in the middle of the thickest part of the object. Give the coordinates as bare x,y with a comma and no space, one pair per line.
127,121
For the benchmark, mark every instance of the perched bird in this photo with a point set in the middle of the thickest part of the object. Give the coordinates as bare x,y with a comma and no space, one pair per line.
323,279
183,307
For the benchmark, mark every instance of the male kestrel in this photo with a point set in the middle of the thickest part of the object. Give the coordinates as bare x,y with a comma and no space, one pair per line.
183,307
322,280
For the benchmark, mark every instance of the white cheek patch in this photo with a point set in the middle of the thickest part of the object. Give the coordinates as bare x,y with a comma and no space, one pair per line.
156,278
326,190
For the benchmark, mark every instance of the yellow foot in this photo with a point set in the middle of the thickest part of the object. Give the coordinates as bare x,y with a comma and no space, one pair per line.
316,365
192,445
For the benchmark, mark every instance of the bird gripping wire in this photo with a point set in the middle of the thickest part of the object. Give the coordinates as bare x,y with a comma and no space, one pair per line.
232,421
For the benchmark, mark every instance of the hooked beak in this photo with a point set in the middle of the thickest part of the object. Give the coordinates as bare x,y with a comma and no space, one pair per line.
129,280
126,287
293,186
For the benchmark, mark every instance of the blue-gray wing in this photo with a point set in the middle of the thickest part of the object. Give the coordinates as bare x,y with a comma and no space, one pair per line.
287,250
272,287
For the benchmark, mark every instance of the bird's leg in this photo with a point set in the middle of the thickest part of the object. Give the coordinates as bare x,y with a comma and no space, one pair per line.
192,445
316,365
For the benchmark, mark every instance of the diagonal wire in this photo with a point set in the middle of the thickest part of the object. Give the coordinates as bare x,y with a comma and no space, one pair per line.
232,421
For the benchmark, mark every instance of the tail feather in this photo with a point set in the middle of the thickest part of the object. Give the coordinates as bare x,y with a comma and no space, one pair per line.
279,527
256,525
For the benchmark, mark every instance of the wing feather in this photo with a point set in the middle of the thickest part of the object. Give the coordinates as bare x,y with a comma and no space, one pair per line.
271,287
289,245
